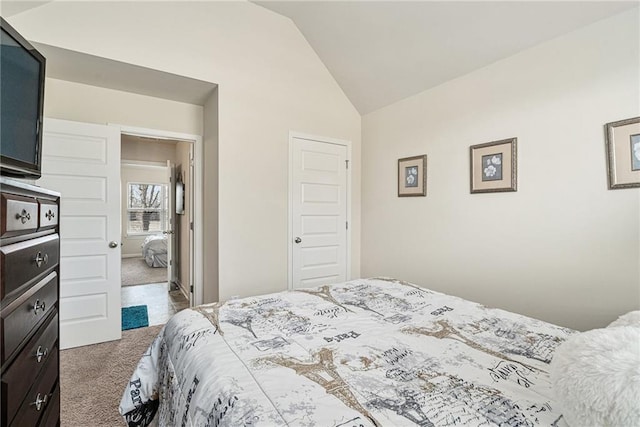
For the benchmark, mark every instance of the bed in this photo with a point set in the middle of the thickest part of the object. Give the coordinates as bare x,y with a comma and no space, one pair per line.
154,250
369,352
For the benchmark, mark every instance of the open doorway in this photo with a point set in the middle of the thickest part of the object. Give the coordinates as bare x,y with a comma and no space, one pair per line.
156,191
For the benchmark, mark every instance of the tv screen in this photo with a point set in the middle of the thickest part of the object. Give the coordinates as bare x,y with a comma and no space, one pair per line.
21,104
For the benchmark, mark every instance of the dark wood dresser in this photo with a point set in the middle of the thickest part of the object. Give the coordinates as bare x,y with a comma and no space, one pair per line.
29,289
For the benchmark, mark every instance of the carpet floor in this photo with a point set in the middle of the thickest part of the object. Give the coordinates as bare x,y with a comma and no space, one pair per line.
93,377
135,271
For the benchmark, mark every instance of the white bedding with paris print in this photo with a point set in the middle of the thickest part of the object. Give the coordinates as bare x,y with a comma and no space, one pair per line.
369,352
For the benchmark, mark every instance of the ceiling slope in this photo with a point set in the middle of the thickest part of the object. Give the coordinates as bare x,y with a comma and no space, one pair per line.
380,52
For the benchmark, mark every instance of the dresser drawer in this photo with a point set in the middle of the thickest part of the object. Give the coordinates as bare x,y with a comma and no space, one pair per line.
24,261
51,417
18,379
26,312
19,214
39,396
48,216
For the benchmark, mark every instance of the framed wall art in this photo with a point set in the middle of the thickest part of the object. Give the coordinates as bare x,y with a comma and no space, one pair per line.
493,166
412,176
623,153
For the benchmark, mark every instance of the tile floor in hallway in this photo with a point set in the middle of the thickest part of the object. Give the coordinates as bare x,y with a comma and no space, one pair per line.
161,303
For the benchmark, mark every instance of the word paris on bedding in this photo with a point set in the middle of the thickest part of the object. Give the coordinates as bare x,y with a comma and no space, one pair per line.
369,352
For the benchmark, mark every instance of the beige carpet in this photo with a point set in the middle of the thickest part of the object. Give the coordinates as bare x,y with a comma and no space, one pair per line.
92,378
136,272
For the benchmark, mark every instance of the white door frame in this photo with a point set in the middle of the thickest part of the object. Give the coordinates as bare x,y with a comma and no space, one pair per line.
324,140
170,170
198,237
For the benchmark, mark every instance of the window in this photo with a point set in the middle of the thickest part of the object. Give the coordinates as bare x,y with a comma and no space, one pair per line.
146,208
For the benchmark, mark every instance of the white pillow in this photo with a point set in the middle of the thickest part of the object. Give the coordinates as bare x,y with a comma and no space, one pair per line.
632,318
596,375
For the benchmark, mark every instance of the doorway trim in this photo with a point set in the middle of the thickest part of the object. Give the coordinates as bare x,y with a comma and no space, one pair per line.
324,140
198,218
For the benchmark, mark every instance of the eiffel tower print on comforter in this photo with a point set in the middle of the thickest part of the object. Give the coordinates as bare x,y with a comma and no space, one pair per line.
369,352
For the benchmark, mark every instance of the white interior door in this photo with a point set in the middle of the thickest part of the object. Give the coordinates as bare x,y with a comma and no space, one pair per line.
318,212
82,162
170,227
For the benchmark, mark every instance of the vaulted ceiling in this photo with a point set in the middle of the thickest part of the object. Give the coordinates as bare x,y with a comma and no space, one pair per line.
380,52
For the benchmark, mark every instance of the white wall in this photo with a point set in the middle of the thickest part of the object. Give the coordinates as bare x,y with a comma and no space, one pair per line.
211,200
90,104
148,151
562,248
270,82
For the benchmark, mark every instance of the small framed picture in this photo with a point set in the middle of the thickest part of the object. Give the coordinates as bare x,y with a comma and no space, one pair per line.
623,152
412,176
493,166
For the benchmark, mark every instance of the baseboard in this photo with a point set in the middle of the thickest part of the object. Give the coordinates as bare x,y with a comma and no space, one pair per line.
130,256
182,289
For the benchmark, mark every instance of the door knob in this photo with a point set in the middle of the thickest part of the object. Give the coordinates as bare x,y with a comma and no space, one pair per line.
113,244
298,240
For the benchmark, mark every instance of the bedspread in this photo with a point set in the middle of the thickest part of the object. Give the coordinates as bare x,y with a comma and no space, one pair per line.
370,352
154,250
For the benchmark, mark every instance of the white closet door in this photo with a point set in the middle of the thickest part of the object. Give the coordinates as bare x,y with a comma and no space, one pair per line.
319,213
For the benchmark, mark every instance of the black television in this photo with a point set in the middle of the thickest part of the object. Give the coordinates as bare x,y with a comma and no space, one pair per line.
22,74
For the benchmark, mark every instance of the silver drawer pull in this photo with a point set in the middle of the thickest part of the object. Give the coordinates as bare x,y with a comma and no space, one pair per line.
41,259
40,402
38,306
50,215
23,216
40,354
